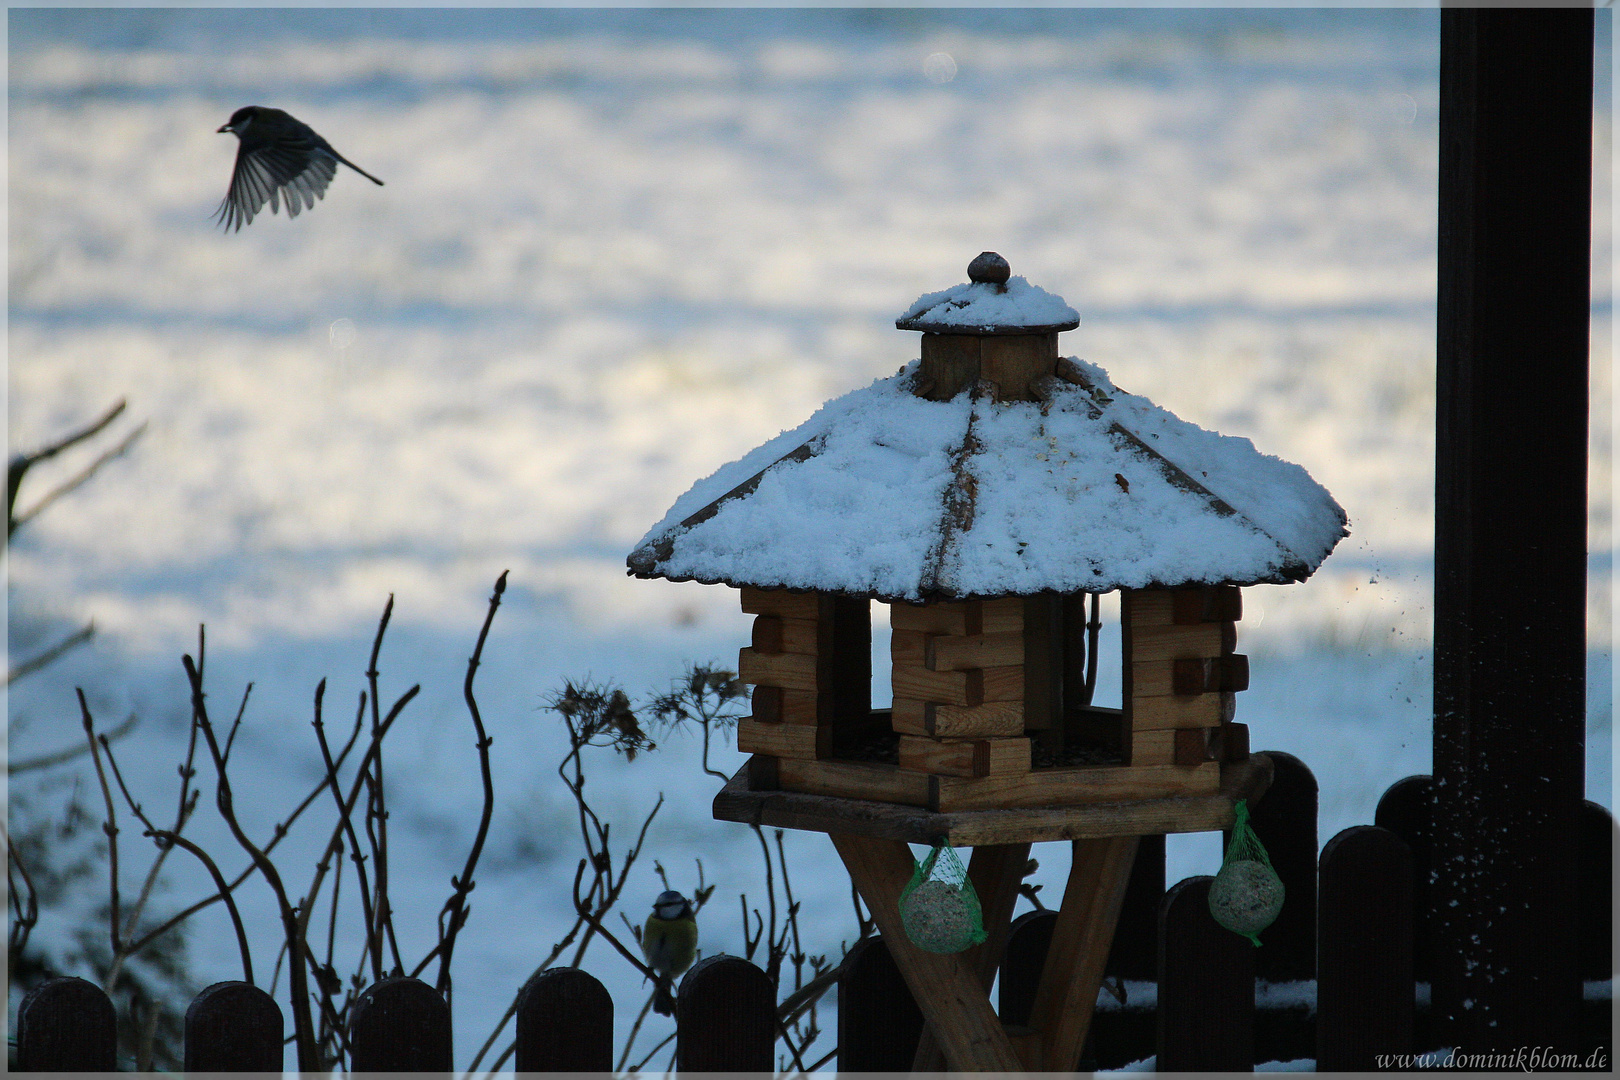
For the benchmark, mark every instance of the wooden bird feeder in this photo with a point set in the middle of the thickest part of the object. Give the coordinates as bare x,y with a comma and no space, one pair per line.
988,493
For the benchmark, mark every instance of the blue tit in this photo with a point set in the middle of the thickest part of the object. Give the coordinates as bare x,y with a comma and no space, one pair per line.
669,942
277,157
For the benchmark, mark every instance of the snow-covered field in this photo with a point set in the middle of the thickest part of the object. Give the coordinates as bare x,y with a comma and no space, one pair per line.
615,251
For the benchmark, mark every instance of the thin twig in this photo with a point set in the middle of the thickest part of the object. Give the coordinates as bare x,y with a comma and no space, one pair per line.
591,917
230,738
795,1003
362,774
828,1056
69,753
511,1048
21,463
163,846
277,834
642,1064
303,1025
111,825
179,841
25,915
72,484
377,810
635,1032
455,906
49,656
373,947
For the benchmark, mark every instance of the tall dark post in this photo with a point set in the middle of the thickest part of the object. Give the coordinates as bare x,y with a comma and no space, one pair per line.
1510,523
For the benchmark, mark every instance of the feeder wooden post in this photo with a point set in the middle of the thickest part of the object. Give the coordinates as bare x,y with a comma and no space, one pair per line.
946,988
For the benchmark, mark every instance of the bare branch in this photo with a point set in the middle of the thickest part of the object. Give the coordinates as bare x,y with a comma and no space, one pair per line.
111,825
455,906
281,829
15,520
303,1025
21,463
346,825
69,753
24,915
376,806
50,655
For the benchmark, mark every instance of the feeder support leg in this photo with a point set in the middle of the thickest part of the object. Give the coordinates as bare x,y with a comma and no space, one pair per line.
996,871
1067,993
947,988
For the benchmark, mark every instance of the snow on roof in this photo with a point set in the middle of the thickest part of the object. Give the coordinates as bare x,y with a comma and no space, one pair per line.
985,307
885,494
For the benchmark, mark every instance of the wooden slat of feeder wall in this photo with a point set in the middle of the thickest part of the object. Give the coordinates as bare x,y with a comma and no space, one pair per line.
964,757
957,668
958,681
810,663
1181,675
988,720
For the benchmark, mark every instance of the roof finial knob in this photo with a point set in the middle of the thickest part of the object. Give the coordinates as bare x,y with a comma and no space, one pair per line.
989,267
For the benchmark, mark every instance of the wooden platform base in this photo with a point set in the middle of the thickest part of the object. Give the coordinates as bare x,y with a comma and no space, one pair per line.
970,828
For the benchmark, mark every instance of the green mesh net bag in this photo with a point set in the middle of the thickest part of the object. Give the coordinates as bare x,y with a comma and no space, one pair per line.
1247,894
938,906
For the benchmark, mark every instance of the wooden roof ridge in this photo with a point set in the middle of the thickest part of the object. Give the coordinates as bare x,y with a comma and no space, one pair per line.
644,560
960,501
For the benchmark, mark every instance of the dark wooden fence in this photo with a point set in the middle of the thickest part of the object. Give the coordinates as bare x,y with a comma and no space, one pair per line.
1336,981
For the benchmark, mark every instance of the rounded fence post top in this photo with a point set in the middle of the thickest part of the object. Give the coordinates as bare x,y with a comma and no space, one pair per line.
989,268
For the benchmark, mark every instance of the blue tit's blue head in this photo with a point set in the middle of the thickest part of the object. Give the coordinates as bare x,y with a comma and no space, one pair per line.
672,905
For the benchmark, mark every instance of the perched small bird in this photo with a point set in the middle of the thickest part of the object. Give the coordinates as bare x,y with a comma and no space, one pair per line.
669,942
278,156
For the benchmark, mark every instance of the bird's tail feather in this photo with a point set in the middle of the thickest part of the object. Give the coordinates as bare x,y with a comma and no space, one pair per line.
357,169
663,1000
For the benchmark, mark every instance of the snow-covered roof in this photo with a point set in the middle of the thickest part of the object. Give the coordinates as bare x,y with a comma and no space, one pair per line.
882,493
990,307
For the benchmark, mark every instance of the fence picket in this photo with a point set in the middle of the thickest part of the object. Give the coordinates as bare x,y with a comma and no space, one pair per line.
1364,987
66,1024
1406,810
1206,987
400,1024
1284,819
878,1019
234,1026
1021,964
564,1023
725,1018
1598,840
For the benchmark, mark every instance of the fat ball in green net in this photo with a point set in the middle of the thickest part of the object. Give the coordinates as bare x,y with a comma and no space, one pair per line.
1247,894
939,907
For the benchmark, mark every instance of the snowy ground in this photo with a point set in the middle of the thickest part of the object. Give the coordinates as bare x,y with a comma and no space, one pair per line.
616,250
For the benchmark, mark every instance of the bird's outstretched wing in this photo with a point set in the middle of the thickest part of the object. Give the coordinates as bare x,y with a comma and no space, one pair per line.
293,168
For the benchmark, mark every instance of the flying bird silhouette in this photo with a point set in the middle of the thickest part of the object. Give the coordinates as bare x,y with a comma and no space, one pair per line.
278,156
